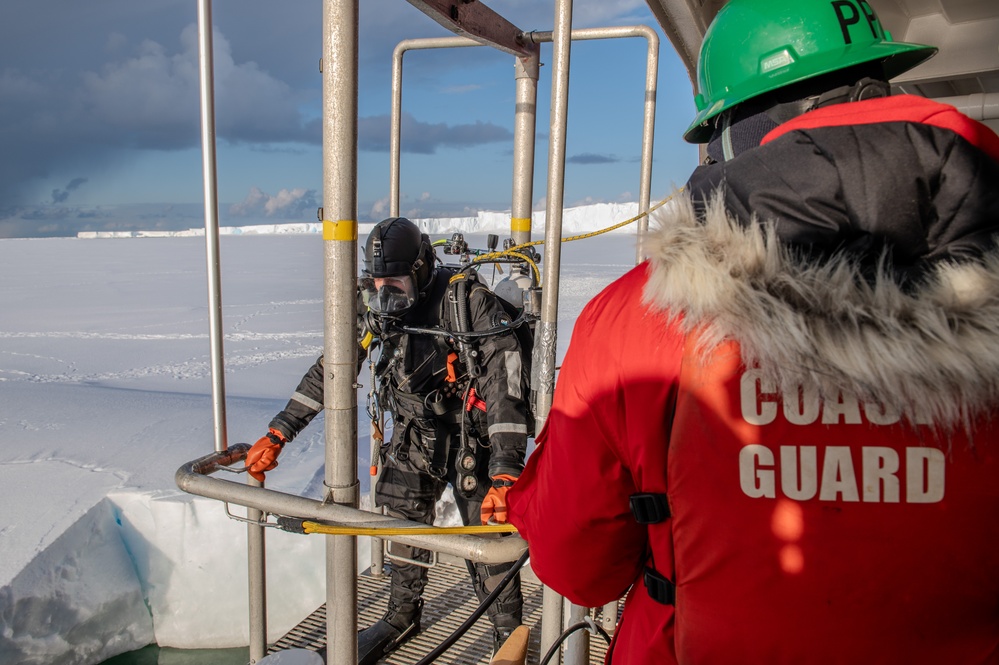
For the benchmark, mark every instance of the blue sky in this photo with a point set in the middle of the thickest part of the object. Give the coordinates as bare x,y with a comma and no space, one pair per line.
99,113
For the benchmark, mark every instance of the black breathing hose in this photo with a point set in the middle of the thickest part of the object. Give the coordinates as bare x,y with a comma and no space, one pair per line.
522,319
569,631
461,306
479,611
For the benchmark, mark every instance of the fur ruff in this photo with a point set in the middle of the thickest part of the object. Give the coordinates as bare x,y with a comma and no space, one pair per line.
931,355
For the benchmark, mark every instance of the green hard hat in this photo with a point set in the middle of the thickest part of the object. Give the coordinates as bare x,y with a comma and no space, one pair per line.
756,46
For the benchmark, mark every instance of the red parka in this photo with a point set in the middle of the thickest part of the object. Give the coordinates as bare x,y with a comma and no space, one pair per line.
825,426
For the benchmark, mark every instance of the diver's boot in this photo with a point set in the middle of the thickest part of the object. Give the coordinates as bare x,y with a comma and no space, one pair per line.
500,635
507,610
387,634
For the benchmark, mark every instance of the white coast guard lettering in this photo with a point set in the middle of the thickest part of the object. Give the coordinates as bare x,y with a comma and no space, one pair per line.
830,473
762,404
800,473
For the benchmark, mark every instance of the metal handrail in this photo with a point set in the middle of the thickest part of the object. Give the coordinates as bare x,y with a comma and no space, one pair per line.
194,477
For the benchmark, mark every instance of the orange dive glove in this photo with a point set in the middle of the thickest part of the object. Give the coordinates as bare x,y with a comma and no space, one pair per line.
494,505
263,455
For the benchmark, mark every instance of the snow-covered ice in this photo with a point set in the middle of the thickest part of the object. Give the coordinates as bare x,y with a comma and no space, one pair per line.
574,220
105,390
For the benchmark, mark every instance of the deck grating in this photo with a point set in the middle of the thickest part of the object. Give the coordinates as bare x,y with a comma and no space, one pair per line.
448,601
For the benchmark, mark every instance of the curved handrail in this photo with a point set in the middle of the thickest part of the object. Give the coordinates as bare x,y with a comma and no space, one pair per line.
194,478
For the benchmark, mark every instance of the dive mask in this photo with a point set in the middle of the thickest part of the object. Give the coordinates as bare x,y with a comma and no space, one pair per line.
388,296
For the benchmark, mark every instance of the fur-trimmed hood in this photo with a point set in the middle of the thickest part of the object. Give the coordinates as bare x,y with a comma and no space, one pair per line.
928,353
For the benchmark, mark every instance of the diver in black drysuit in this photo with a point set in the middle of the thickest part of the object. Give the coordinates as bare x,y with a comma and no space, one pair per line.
440,413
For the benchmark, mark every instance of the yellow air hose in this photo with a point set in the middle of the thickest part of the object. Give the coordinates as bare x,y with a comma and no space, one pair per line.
307,526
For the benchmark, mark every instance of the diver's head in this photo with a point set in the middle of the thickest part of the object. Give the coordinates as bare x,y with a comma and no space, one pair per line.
398,266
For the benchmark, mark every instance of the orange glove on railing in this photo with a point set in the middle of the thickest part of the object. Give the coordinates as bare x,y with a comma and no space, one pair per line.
263,455
494,505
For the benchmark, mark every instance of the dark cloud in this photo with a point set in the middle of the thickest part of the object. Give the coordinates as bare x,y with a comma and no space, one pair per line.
86,87
148,99
61,221
60,195
425,138
105,84
151,98
591,158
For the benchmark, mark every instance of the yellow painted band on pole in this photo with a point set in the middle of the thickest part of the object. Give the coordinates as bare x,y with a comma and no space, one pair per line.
344,229
383,532
520,223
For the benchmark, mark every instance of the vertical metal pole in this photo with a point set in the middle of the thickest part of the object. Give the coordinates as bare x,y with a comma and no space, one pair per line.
524,130
556,192
340,29
577,646
547,328
256,553
648,125
255,545
207,67
395,132
648,131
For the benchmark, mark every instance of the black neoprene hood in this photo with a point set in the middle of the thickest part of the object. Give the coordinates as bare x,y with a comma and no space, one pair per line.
392,248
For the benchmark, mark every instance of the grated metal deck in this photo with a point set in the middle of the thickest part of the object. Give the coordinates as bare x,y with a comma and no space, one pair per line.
448,601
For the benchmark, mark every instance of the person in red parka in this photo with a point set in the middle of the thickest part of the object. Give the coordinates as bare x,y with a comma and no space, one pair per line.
780,434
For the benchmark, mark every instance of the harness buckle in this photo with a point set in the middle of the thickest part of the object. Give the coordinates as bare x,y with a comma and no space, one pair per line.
649,507
660,589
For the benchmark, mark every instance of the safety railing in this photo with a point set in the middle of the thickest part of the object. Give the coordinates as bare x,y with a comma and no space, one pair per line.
195,478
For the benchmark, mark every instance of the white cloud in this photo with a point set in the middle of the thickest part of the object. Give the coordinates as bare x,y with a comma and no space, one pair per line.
254,201
379,208
285,199
286,204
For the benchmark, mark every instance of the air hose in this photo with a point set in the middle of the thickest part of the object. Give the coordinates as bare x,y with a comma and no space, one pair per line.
479,611
515,251
569,631
295,525
470,335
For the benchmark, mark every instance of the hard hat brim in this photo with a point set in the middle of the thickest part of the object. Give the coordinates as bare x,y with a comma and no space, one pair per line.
897,58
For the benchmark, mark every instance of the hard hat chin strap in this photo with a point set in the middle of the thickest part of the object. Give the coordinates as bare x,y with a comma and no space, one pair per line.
865,88
742,127
726,137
